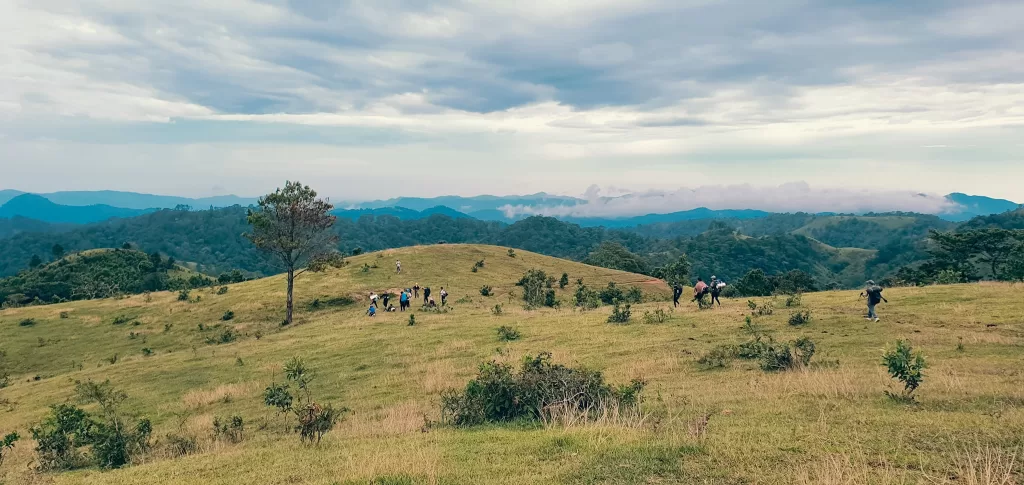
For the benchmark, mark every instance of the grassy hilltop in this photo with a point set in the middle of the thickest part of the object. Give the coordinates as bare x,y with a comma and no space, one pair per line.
826,423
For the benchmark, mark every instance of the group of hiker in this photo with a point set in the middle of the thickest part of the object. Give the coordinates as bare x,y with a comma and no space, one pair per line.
714,288
872,292
405,298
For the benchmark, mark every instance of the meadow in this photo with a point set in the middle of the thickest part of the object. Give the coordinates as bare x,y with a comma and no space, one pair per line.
830,422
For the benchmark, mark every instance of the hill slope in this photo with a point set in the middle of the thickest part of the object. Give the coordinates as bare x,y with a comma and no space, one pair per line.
801,426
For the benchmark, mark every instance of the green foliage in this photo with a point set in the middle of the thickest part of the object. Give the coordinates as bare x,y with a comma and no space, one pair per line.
183,295
657,316
614,255
497,310
717,358
60,436
533,284
412,320
507,334
540,390
803,350
330,302
226,336
223,290
7,444
794,300
479,264
485,290
585,298
906,366
611,294
228,315
677,272
277,395
122,319
231,429
27,322
620,315
767,307
146,351
634,295
511,253
775,357
754,283
563,281
800,318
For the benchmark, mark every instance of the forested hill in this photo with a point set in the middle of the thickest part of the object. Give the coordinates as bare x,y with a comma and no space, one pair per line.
779,243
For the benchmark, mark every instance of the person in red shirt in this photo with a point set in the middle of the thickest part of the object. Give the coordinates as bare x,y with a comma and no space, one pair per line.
699,289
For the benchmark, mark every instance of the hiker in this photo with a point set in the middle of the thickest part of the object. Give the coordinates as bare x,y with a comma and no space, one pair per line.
444,297
390,308
716,289
426,294
677,291
699,289
874,294
430,301
416,290
373,298
398,267
384,299
372,311
403,300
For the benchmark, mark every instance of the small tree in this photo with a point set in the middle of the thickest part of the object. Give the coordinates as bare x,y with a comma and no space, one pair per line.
7,444
292,224
35,262
563,281
905,366
678,273
58,251
533,283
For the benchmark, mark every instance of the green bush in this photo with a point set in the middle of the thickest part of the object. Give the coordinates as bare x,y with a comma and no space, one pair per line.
27,322
563,281
551,300
313,419
657,316
533,284
228,315
230,429
794,300
222,290
717,357
60,436
7,444
634,295
329,302
511,253
767,307
803,350
479,264
906,366
585,298
412,320
63,315
611,294
507,334
496,310
183,295
146,351
620,315
539,389
776,357
800,318
277,395
485,290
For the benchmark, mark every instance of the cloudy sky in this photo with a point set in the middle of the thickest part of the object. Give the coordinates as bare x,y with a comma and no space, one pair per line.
382,98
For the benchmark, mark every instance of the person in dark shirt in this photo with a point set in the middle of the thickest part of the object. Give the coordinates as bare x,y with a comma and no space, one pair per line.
426,295
677,291
874,294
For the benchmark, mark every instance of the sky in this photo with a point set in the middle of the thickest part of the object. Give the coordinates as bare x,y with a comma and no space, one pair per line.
832,100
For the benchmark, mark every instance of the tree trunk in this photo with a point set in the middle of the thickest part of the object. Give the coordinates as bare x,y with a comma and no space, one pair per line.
291,286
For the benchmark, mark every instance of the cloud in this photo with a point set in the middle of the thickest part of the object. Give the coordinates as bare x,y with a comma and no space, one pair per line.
789,197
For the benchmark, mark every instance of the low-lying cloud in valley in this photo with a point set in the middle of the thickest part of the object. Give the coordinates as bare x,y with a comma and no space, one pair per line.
790,197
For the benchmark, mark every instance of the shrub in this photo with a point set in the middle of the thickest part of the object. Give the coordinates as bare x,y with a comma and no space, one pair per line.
27,322
146,351
60,435
803,350
313,419
776,357
7,444
717,357
610,294
230,429
620,314
657,316
906,366
473,269
563,281
800,318
222,290
538,391
634,295
754,283
767,307
328,302
479,264
112,359
357,251
507,334
122,319
485,290
496,310
228,315
277,395
533,283
585,298
63,315
180,446
316,420
793,300
511,253
550,300
365,268
412,320
225,337
183,295
753,348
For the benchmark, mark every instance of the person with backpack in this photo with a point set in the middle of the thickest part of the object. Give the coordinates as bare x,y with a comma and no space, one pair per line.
372,311
426,294
403,300
416,290
699,289
874,294
677,291
716,289
384,299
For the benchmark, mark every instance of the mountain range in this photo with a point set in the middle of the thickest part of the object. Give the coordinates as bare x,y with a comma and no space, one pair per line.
80,207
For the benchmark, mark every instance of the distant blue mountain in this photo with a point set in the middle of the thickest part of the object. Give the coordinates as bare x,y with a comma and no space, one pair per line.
18,224
133,200
399,212
690,215
472,204
976,205
8,194
42,209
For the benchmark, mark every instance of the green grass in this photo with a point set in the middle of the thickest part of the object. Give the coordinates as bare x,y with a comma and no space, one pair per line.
830,423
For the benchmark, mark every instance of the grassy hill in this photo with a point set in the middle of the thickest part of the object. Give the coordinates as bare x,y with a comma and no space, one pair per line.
827,423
